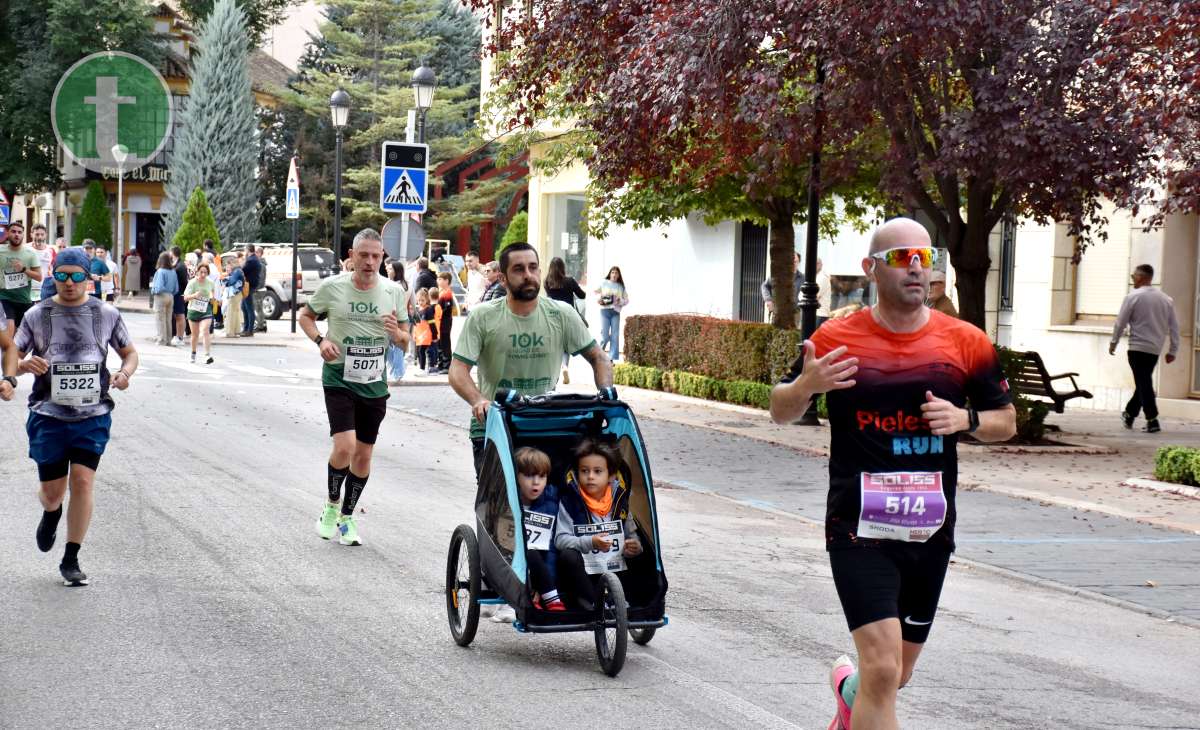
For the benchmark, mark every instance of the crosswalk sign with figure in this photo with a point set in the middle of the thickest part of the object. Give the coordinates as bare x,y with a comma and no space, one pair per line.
4,208
404,177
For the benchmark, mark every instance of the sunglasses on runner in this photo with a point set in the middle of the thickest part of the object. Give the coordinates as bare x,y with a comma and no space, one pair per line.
902,257
76,276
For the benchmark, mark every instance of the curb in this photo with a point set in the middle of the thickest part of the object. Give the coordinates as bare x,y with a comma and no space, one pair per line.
1025,578
1182,490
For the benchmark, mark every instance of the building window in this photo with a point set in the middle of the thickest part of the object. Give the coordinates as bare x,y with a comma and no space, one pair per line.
1008,260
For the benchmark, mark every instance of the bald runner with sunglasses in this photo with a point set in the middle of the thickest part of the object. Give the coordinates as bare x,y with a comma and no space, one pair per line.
901,382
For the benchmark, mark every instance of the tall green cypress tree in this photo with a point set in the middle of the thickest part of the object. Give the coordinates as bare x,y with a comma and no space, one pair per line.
217,149
95,220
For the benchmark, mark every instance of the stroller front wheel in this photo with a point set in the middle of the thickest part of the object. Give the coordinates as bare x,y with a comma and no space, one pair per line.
463,577
612,625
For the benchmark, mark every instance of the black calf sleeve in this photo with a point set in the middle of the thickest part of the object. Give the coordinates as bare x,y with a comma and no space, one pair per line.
336,477
354,488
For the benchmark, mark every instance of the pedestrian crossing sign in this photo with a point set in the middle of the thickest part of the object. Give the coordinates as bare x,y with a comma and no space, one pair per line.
293,192
404,177
4,208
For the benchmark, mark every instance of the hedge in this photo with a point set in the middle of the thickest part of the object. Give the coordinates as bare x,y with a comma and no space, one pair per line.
1179,464
717,348
739,392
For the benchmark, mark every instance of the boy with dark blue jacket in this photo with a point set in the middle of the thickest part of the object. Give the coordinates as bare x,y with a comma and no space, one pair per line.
539,508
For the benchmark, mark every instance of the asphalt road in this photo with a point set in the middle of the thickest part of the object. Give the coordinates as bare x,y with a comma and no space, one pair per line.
214,604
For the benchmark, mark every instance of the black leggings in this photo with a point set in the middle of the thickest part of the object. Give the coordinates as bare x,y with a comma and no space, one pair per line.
58,469
578,588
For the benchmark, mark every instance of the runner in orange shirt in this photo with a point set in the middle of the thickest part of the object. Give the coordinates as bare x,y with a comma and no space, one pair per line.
901,381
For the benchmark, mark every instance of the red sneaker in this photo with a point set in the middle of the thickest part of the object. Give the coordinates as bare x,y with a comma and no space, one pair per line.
556,605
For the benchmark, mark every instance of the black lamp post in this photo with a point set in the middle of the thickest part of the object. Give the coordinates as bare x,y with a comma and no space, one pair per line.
339,107
809,289
424,83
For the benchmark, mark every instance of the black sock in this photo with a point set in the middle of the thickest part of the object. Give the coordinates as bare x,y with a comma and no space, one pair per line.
354,487
71,554
336,477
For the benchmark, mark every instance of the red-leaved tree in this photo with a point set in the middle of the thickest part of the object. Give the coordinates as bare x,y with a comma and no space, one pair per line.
987,107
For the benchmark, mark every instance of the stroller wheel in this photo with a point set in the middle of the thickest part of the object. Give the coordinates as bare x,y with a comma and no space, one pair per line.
641,637
612,625
462,585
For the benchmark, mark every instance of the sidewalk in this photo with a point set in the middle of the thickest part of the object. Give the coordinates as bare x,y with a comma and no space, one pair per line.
278,332
1089,477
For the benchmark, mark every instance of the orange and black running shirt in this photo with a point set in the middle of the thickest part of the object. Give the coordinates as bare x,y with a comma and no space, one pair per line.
890,478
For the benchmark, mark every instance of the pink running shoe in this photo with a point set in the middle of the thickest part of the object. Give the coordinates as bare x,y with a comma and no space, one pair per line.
842,668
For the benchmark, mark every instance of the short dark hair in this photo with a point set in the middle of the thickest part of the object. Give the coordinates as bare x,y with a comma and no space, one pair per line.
510,249
1145,270
208,243
17,224
250,247
177,251
37,226
531,462
422,263
595,447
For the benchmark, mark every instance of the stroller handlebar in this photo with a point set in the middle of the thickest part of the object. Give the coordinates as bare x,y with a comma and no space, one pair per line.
511,399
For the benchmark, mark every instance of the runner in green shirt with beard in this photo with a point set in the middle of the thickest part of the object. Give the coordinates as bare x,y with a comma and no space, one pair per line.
19,265
518,342
366,312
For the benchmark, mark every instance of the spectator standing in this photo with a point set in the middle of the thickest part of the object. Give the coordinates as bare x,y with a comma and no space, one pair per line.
446,306
235,284
181,277
260,323
396,353
612,299
767,289
252,272
109,282
163,288
495,288
1150,316
565,289
824,294
937,295
133,272
425,279
476,281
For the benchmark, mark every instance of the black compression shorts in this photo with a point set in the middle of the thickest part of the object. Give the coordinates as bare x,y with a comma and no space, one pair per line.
15,311
891,580
349,411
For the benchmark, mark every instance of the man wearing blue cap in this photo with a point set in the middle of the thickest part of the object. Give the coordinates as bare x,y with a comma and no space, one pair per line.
65,340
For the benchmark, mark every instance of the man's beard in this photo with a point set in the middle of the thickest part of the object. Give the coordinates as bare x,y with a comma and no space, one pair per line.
527,293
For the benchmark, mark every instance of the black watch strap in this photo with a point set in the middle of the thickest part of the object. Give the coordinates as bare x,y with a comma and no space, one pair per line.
972,420
12,380
319,340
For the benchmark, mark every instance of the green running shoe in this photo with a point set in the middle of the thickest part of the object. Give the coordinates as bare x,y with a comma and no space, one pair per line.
348,531
327,524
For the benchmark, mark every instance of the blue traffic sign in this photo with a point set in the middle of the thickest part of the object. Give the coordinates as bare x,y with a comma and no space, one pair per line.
404,178
3,215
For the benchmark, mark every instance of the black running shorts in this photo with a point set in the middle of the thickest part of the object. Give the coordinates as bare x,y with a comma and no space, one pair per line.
349,411
891,580
15,311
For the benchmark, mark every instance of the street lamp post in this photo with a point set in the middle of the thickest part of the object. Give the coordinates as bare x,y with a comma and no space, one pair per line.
424,83
339,108
809,289
120,153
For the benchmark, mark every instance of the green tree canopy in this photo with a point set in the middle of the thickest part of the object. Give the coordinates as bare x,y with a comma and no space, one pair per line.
261,15
95,219
198,224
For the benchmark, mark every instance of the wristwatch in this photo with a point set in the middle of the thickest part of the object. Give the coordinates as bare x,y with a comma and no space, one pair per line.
319,340
12,380
972,420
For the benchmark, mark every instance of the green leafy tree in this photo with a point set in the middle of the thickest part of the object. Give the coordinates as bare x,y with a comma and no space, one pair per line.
261,15
371,48
41,40
95,220
517,232
218,145
198,224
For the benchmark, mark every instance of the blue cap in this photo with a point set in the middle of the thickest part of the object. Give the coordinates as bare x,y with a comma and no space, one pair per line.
73,256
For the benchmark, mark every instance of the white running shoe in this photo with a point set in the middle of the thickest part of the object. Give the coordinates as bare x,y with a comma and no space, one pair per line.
505,615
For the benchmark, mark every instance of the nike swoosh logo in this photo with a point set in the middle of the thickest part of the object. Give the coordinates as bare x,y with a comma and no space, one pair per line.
908,620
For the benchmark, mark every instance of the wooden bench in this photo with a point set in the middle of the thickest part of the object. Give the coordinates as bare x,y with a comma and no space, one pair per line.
1034,381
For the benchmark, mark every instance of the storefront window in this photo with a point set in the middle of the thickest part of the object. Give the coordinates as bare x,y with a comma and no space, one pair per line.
568,232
